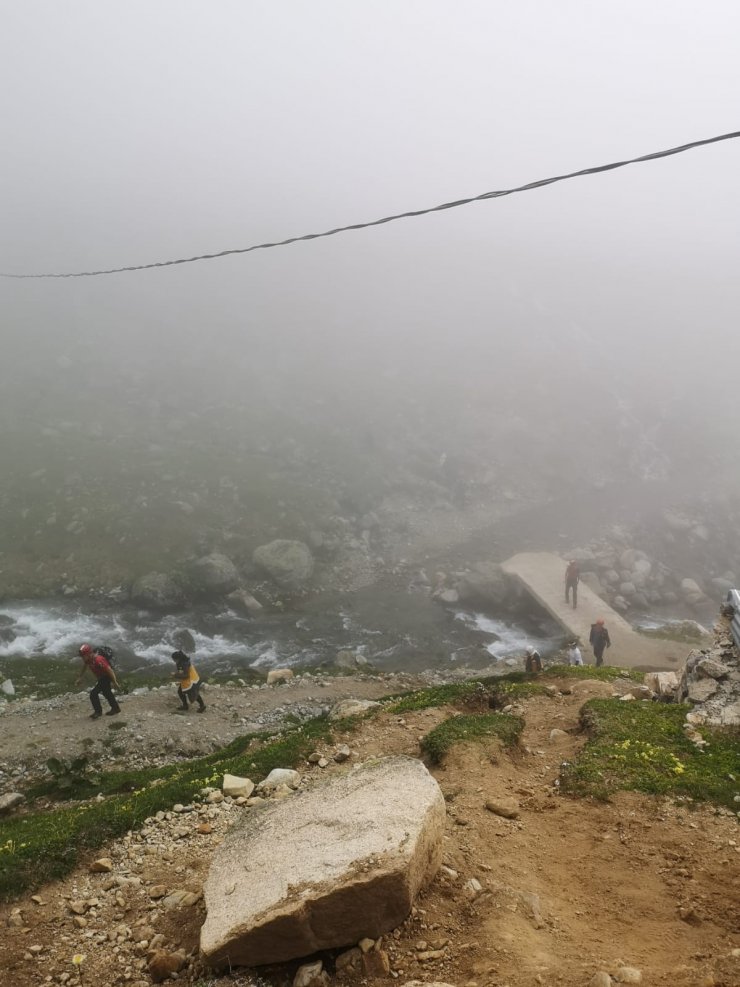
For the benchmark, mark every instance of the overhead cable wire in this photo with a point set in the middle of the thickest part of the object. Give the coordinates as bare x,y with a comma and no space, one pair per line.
411,214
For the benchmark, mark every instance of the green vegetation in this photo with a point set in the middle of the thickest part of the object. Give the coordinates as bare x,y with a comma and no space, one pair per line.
606,673
643,747
512,689
438,695
44,846
685,632
476,727
69,775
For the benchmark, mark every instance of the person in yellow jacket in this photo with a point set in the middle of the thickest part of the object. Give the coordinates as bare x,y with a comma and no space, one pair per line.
188,688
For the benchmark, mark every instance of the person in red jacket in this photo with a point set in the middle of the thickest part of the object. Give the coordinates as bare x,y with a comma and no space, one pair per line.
106,679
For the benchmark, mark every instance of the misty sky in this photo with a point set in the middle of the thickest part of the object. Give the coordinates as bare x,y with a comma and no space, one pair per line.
141,131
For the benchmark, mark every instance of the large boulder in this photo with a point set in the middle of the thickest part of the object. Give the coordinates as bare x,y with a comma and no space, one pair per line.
324,868
692,592
214,575
289,563
158,591
485,583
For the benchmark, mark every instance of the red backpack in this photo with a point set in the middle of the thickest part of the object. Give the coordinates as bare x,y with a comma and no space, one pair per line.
99,666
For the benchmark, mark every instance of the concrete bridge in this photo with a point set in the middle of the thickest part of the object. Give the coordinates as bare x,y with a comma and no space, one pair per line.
542,575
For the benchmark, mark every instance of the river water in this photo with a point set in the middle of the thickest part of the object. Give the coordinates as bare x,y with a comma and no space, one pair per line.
394,631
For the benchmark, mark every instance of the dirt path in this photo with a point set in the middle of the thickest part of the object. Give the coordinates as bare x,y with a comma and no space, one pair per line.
568,888
149,731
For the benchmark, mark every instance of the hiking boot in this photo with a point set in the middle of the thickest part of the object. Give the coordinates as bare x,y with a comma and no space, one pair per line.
95,716
201,709
113,712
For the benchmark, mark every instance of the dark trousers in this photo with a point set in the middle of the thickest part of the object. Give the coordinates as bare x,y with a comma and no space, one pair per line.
571,585
599,654
193,694
105,686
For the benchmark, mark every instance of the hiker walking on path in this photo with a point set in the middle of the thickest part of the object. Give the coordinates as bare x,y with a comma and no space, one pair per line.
98,664
599,639
533,662
188,688
572,579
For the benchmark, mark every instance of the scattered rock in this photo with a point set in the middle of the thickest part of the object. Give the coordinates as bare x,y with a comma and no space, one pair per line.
163,964
662,683
237,787
280,776
104,865
240,599
9,801
279,675
342,753
628,975
376,963
310,975
508,808
180,899
600,979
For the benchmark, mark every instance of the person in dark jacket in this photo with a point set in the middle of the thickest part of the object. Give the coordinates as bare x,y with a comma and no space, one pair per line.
101,668
188,689
572,578
599,639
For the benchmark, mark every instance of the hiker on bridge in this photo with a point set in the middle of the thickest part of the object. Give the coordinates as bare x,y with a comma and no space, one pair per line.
572,578
599,639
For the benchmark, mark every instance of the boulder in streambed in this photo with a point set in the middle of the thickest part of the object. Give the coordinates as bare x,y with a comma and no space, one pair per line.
158,591
214,575
485,583
325,868
289,563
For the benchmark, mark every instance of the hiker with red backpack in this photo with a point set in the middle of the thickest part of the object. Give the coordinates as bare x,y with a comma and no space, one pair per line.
98,662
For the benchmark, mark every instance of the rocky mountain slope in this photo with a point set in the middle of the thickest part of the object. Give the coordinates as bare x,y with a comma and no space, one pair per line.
535,887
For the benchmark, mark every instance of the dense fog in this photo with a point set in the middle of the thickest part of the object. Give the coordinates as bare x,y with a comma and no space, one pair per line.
528,350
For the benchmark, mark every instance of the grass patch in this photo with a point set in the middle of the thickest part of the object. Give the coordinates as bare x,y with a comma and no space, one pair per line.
475,727
44,846
642,747
605,673
511,690
438,695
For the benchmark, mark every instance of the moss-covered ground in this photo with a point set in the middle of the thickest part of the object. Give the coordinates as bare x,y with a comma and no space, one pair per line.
643,747
467,728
